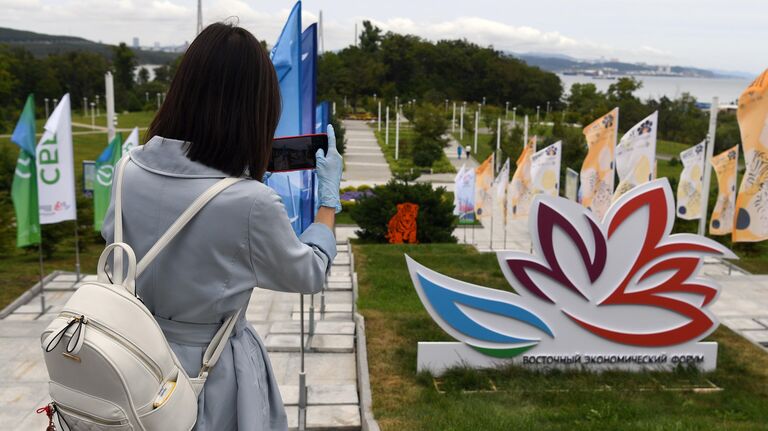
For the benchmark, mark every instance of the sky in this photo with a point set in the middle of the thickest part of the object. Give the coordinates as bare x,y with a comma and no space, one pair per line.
722,35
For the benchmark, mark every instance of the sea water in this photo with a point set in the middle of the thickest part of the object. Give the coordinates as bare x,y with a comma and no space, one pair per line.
654,87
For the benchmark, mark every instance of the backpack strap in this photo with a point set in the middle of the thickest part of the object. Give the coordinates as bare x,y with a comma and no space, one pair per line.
213,352
169,234
220,339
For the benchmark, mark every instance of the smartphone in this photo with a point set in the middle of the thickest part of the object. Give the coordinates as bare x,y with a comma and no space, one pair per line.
294,153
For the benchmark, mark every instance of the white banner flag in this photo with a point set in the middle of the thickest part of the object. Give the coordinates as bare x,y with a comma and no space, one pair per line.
691,180
464,195
635,155
500,185
132,141
56,168
545,170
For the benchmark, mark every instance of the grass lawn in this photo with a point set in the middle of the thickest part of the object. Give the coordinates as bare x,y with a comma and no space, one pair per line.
404,162
669,148
525,400
19,268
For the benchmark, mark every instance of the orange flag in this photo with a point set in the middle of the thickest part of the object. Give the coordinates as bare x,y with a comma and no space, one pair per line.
752,202
596,185
725,165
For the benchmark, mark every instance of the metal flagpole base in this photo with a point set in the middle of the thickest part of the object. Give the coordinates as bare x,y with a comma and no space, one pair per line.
302,373
302,400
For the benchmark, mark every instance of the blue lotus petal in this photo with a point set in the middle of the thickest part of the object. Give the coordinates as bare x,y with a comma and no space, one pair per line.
445,303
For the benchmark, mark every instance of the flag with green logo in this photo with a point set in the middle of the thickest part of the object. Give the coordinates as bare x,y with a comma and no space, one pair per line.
24,188
102,187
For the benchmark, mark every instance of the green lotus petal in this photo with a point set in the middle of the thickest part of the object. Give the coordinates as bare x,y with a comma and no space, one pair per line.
503,353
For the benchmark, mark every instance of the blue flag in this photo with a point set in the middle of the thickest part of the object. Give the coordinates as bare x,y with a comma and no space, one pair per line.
308,78
286,57
321,116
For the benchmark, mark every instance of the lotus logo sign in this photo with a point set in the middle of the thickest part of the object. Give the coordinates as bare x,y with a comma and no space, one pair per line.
623,293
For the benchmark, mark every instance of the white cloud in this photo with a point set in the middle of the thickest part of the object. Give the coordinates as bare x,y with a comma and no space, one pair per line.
174,21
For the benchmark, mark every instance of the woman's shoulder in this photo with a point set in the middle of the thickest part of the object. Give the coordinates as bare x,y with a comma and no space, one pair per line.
250,191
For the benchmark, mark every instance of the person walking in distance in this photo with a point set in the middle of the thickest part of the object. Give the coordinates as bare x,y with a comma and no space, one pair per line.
458,151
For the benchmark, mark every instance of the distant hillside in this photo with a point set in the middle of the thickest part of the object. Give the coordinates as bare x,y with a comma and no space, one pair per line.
564,64
41,45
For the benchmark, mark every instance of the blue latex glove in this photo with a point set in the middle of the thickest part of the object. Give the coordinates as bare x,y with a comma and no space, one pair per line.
329,168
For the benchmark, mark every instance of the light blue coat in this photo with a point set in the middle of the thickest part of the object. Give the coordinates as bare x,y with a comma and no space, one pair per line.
240,240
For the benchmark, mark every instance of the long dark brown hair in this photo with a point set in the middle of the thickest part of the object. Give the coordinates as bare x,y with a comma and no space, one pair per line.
224,101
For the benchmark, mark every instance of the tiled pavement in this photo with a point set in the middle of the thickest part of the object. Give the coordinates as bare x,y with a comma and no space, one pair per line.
333,401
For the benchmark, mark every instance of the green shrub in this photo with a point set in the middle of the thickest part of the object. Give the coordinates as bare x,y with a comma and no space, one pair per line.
426,151
340,131
435,220
429,125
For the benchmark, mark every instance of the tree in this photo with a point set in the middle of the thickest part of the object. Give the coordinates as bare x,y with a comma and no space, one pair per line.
429,123
631,109
370,37
124,62
143,75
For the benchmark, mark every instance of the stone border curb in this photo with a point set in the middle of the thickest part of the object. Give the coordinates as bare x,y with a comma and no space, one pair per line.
28,295
368,422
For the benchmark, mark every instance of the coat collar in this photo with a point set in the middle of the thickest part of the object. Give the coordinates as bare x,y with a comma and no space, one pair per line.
169,157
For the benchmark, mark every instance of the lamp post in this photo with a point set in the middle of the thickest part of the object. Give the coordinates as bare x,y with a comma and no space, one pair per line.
453,119
537,113
506,110
93,114
547,110
85,106
46,107
446,105
97,106
386,130
514,116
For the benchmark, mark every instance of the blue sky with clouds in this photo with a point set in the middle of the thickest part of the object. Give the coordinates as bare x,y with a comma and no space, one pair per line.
727,35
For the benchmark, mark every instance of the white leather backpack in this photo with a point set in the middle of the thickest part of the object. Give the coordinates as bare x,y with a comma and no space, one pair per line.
110,365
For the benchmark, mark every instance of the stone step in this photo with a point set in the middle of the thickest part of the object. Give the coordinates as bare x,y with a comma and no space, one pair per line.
321,394
319,343
324,316
343,417
321,327
329,308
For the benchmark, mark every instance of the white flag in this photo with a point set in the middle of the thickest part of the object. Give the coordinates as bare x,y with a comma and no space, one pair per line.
500,183
456,185
635,155
545,170
55,167
691,181
464,195
132,141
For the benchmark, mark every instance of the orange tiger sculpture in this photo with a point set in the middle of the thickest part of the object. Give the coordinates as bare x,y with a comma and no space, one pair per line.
402,226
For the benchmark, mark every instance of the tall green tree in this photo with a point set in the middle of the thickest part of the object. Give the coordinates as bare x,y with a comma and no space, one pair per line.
124,62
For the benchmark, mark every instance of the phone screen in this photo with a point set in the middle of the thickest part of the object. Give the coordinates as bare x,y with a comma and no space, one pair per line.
296,152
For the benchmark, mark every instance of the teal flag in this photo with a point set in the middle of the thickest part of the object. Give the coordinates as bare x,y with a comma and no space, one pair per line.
24,188
102,187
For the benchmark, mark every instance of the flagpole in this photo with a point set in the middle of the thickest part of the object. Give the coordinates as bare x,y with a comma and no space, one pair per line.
504,208
42,275
710,143
77,252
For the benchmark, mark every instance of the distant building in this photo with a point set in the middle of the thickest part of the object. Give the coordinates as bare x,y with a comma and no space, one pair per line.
136,43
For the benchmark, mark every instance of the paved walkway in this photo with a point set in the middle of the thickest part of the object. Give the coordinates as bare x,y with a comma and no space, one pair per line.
330,361
446,180
364,163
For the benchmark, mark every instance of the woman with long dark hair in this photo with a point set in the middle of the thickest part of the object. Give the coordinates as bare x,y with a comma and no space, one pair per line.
217,121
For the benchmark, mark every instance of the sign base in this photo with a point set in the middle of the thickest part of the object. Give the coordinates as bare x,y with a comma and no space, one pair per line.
437,357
